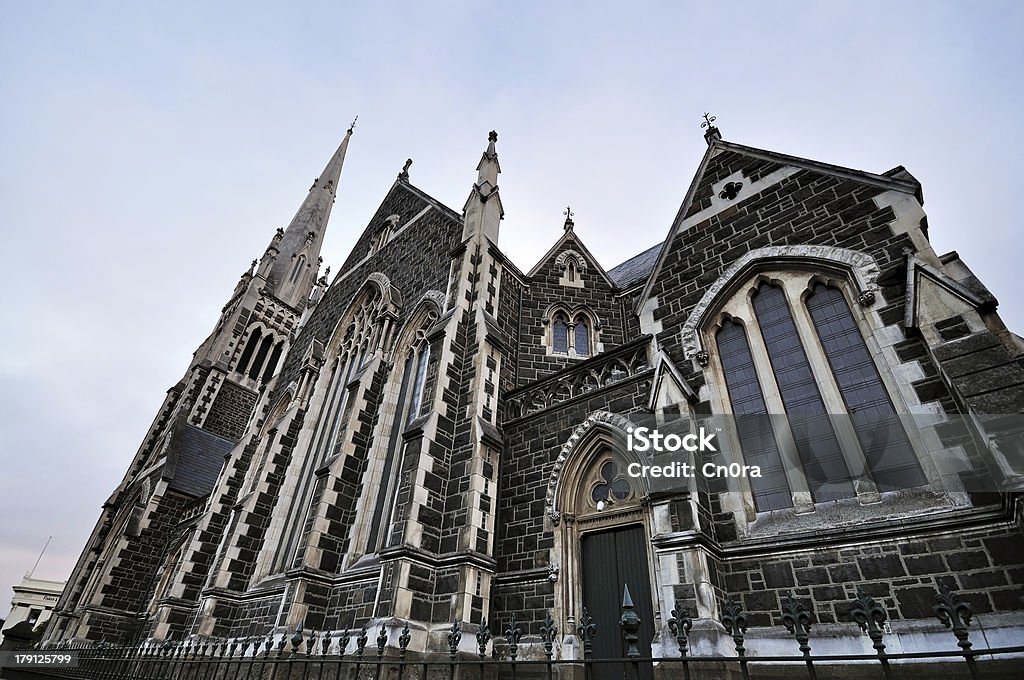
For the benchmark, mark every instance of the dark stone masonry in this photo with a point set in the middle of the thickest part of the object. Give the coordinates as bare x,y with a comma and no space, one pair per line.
438,435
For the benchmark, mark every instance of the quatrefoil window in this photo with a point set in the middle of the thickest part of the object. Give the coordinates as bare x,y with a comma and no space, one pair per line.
613,485
731,190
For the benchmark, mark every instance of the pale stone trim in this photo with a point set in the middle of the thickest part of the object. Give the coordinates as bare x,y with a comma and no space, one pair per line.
863,267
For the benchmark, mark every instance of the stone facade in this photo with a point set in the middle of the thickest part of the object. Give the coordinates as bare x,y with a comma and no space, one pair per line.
431,441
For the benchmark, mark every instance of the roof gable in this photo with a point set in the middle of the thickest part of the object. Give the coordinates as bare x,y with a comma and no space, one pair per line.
701,201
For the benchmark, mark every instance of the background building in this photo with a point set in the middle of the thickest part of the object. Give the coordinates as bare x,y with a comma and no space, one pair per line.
31,607
438,434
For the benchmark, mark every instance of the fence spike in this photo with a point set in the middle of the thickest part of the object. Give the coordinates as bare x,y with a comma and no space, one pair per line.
870,616
325,642
587,630
680,624
382,640
797,620
454,638
548,631
630,624
954,613
343,642
361,642
483,636
735,621
512,634
403,640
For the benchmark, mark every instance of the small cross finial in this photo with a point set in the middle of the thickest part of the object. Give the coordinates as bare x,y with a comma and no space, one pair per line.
353,125
708,120
568,217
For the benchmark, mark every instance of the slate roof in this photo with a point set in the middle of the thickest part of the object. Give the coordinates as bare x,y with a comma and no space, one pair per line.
636,268
198,457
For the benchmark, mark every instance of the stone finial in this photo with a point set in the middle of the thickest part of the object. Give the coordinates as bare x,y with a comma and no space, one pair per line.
569,224
492,136
404,174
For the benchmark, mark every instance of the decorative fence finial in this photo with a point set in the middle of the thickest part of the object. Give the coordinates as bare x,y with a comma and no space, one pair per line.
587,630
870,616
454,638
512,634
483,636
630,623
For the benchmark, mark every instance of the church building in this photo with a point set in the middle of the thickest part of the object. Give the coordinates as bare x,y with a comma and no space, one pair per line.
438,434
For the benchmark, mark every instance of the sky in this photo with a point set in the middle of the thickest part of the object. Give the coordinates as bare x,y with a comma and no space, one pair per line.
150,150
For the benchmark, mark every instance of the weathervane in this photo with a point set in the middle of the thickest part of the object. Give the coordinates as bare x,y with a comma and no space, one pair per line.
568,217
708,121
353,125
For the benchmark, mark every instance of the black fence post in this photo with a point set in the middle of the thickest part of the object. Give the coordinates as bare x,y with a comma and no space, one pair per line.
483,636
454,638
548,631
735,621
382,641
956,614
586,631
360,648
797,620
870,616
680,624
403,645
512,634
630,623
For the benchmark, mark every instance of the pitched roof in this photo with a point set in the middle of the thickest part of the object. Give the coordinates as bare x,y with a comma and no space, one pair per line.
636,268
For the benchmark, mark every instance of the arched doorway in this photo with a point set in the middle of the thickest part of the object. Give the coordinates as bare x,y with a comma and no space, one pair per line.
602,539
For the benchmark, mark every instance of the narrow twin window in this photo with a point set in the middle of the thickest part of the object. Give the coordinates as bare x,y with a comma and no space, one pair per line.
571,338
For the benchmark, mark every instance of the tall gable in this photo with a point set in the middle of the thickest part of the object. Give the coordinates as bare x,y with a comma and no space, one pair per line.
568,280
743,199
420,234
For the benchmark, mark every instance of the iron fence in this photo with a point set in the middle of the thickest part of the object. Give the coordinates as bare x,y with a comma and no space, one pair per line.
349,655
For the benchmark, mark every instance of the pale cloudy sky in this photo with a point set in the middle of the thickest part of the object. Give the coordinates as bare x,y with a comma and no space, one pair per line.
149,150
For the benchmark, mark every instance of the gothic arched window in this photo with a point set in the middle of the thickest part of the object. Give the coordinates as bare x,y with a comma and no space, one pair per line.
790,346
582,336
299,264
560,334
888,452
753,425
408,406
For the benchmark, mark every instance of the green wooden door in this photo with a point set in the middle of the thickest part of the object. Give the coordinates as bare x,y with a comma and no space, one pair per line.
611,560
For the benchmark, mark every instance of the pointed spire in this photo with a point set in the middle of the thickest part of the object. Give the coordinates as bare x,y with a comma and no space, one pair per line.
483,212
298,248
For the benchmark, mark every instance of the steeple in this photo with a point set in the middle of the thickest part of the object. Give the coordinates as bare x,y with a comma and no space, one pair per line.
294,268
483,212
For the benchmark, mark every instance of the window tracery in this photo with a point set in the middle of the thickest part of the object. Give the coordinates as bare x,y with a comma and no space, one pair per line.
572,334
788,344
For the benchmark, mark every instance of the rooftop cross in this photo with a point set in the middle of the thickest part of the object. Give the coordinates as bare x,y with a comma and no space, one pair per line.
568,217
708,120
